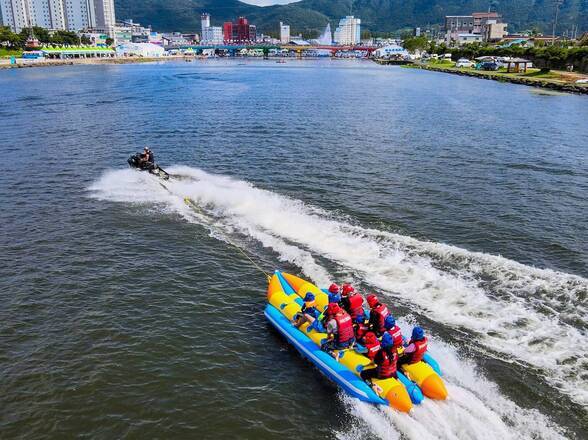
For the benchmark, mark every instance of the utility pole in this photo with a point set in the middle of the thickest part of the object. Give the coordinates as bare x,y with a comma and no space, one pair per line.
557,4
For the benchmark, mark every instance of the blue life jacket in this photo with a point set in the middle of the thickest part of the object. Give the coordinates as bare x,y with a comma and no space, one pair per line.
334,298
312,311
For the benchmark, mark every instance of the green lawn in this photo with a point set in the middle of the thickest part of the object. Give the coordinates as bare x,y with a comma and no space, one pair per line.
5,53
442,63
537,73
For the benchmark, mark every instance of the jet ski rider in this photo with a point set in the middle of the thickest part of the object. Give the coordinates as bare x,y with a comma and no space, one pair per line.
147,159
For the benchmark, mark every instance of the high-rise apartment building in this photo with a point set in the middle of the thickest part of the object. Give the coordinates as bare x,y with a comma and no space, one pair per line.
72,15
210,34
15,14
349,31
105,18
284,33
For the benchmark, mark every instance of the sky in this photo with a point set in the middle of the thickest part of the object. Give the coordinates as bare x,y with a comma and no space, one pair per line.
268,2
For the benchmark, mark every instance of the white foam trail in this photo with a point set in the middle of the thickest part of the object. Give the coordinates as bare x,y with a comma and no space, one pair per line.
508,322
474,410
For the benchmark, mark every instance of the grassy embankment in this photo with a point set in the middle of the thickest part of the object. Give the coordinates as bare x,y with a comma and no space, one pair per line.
531,76
7,53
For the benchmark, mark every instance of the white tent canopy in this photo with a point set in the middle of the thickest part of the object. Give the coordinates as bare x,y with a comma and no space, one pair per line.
147,50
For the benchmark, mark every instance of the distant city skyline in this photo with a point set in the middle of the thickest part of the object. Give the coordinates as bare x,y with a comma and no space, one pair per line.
268,2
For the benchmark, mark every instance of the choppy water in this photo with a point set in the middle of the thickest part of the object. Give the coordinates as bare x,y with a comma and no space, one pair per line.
124,313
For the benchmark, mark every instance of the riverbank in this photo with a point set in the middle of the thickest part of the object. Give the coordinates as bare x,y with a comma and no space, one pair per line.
21,63
555,80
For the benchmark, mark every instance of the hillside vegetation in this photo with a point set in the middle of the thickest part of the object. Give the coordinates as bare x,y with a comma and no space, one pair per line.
377,15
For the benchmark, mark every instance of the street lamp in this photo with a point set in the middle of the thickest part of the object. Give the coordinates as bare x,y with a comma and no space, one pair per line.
557,4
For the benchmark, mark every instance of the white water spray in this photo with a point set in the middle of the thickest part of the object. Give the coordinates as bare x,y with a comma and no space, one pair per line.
402,267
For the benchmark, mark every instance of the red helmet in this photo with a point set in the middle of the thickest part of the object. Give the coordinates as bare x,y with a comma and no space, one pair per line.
372,300
333,288
333,309
370,338
347,289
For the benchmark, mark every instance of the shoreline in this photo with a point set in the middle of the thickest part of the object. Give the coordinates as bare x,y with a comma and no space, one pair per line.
89,61
545,83
503,77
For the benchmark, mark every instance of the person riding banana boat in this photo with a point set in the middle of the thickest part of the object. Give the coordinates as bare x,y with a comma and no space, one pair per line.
393,330
386,361
339,327
378,314
352,301
308,313
334,294
346,303
416,348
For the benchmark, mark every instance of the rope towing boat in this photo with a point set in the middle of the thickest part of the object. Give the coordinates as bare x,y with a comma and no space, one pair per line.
285,293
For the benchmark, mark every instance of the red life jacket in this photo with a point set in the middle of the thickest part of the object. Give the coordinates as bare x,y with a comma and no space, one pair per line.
344,327
421,349
372,349
387,368
381,312
361,330
355,305
396,334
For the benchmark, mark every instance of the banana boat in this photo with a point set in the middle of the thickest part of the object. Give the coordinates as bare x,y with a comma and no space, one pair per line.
285,293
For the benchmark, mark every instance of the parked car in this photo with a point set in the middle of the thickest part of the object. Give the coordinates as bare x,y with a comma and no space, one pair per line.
489,65
464,62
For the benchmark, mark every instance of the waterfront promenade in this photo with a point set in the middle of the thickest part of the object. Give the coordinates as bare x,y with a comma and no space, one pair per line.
556,80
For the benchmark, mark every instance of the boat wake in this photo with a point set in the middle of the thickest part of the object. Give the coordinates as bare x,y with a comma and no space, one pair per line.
475,409
513,310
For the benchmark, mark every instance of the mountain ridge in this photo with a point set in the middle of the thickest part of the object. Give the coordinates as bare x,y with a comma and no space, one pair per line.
376,15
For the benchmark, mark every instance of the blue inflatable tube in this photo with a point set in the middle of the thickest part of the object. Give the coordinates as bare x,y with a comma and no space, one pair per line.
433,363
338,373
415,393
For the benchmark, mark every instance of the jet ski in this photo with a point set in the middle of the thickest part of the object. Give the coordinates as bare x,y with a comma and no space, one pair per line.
136,162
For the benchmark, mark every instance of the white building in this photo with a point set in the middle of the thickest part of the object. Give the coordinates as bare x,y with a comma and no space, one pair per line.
146,50
284,33
129,31
348,32
72,15
469,38
210,34
105,18
15,14
48,14
391,51
79,14
204,21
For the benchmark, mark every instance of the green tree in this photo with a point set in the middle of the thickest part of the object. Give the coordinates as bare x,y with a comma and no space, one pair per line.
415,43
366,34
40,34
9,38
109,41
65,37
84,39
